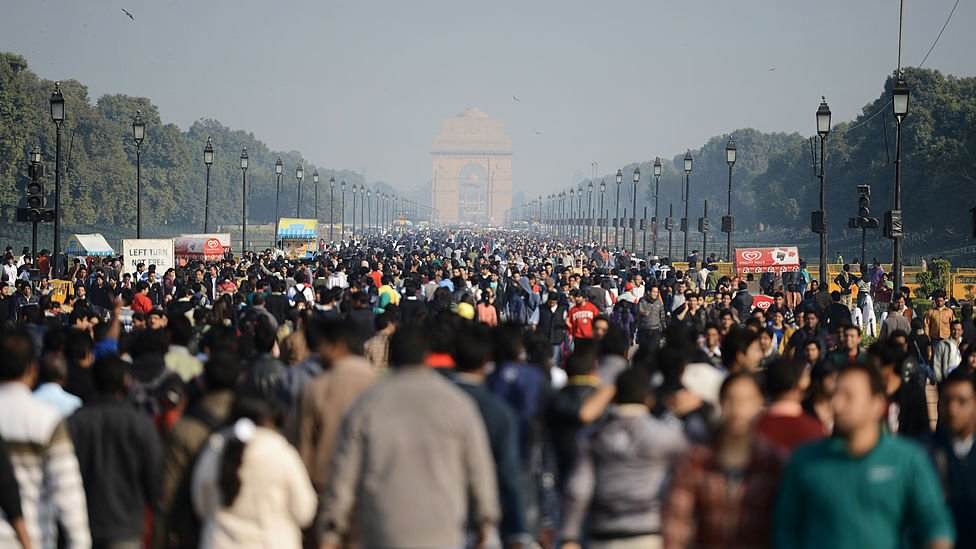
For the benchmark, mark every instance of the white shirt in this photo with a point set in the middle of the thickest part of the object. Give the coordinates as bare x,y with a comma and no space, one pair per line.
11,272
337,279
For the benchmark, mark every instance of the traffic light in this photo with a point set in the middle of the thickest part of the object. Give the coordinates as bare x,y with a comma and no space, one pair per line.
728,223
35,212
892,224
684,224
703,225
643,224
669,223
864,201
818,222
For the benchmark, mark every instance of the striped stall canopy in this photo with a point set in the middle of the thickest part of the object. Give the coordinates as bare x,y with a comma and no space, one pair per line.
87,245
289,227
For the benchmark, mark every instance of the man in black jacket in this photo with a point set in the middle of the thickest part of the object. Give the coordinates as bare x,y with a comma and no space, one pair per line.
563,412
119,454
277,302
742,302
552,325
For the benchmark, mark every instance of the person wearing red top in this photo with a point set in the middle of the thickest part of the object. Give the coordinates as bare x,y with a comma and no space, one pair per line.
581,317
140,301
377,276
784,424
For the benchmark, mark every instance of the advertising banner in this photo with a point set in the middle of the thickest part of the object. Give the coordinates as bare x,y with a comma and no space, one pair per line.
204,247
767,260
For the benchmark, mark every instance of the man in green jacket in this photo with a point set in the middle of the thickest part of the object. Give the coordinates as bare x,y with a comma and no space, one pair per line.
861,487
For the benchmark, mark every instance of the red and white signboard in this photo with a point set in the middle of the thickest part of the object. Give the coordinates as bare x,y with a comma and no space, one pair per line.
767,260
763,302
206,247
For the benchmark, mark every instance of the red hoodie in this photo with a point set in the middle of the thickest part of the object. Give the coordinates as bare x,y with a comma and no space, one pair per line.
581,320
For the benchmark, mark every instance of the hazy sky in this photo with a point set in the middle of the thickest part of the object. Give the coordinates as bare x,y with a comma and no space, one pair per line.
364,84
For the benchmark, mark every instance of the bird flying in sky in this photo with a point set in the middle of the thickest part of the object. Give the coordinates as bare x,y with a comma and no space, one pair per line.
516,98
129,14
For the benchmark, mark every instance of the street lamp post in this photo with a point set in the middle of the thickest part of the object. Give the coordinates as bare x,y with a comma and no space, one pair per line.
727,223
572,200
369,213
644,233
342,209
355,191
279,168
331,207
687,222
299,175
657,186
315,183
670,227
589,210
138,134
616,213
36,172
362,209
57,116
243,201
603,190
899,102
208,158
633,229
820,218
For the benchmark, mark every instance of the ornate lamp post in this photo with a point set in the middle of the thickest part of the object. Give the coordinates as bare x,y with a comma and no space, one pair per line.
633,230
279,168
369,213
820,218
899,104
208,158
603,190
355,191
616,215
315,183
57,116
342,208
331,206
138,134
589,210
727,223
657,186
243,201
572,200
687,221
35,171
362,209
299,175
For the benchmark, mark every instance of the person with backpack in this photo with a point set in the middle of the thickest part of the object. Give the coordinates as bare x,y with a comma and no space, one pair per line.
154,388
176,524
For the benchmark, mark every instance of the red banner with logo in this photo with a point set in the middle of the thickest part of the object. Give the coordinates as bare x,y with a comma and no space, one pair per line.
767,260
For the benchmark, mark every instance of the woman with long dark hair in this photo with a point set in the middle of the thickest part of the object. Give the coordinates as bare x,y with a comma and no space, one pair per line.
250,487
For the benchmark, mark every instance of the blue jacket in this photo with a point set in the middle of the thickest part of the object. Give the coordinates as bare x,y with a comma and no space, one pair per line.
502,427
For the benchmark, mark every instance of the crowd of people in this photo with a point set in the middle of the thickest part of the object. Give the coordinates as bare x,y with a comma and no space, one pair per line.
479,388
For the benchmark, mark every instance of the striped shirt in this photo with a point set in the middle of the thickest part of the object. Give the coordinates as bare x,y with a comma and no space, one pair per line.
47,471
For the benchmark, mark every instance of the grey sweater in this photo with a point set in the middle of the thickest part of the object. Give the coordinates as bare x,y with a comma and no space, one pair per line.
651,314
622,475
412,452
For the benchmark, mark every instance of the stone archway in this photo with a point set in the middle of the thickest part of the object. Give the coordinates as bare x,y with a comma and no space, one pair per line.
472,170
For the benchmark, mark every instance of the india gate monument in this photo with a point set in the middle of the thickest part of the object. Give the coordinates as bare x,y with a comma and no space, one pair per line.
472,164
